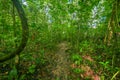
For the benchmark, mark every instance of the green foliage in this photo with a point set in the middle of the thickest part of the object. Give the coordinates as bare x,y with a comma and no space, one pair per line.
105,64
78,70
22,77
41,59
76,58
82,23
13,74
31,69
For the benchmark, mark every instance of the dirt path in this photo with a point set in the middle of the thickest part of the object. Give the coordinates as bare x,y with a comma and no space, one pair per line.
61,70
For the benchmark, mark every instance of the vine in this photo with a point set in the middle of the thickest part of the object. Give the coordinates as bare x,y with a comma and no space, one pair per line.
25,32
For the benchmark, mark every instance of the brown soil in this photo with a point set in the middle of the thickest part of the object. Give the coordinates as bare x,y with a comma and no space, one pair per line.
60,63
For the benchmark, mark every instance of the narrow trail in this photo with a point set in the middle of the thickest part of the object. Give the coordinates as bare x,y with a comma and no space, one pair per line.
58,64
61,69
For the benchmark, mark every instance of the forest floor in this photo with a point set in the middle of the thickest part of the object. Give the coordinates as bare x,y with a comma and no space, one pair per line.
58,67
61,67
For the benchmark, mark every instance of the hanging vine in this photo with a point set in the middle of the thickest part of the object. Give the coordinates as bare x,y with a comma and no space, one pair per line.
25,32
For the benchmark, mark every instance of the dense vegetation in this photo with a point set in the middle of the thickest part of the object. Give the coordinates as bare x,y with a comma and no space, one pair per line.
68,40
